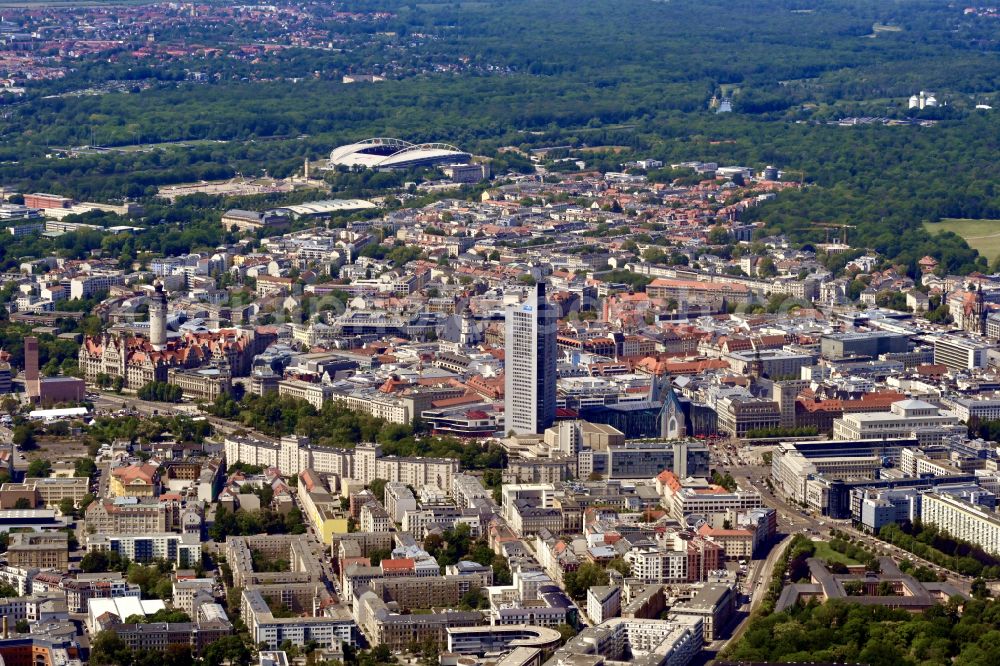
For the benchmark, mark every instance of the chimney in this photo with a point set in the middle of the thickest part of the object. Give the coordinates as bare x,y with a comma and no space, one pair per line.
5,627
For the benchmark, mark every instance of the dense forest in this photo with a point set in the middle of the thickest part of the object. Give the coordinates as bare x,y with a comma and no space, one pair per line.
554,73
841,632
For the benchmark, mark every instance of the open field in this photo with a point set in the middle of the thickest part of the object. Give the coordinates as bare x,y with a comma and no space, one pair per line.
824,552
983,235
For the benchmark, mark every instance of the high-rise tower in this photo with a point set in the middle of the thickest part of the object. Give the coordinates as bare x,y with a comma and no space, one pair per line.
530,364
158,318
32,382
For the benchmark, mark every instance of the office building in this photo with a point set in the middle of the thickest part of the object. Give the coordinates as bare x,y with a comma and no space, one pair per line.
979,407
796,466
739,415
773,363
960,354
837,346
48,491
530,364
683,497
643,460
40,550
48,390
906,418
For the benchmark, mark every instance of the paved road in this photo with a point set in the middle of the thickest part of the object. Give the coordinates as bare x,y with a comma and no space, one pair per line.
112,402
761,581
794,519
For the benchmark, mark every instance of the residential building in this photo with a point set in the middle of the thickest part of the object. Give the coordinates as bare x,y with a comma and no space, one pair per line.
184,550
399,499
479,640
381,626
140,480
715,604
374,518
673,642
962,520
603,603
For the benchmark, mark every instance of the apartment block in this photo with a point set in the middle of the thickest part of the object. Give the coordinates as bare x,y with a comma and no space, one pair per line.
962,520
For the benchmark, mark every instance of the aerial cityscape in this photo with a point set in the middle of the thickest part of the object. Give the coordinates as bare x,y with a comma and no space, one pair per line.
499,333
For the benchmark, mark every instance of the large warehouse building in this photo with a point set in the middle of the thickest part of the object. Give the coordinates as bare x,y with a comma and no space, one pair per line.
383,153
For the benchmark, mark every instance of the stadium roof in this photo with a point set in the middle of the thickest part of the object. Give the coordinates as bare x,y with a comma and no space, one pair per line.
387,153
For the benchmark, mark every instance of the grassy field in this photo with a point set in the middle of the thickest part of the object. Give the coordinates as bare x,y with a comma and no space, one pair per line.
983,235
823,551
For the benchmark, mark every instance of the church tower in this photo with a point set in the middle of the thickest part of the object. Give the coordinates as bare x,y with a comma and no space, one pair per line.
469,336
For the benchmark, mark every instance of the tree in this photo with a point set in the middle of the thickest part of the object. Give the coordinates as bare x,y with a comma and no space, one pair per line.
67,506
84,468
377,486
24,437
7,590
23,503
152,579
566,632
39,468
766,268
108,649
229,649
621,566
718,235
160,391
587,576
22,626
473,599
101,561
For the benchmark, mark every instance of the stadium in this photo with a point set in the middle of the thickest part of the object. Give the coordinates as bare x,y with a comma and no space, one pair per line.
383,153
